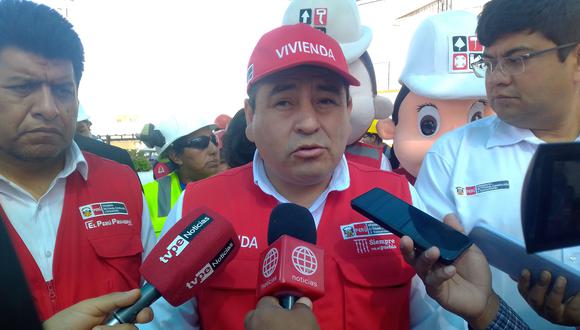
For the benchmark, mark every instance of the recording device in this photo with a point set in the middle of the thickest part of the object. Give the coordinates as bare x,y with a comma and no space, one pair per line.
551,198
510,257
151,136
292,266
402,219
191,253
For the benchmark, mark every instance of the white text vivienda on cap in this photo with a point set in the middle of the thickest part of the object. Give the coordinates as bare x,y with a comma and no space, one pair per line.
304,47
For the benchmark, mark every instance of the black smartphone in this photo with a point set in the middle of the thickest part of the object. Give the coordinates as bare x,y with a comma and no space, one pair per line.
401,219
551,198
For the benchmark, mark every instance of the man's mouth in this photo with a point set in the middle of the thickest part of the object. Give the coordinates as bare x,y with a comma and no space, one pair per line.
308,151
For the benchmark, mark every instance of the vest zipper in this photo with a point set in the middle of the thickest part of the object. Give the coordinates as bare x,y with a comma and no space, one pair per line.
52,295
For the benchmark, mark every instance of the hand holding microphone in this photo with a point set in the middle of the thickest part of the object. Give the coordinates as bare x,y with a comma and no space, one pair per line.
269,315
292,266
194,250
88,314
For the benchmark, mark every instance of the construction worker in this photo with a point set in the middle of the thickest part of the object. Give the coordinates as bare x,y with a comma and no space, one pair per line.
190,148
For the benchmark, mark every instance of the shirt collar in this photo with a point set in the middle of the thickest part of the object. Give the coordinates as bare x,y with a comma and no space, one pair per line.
74,161
340,181
504,134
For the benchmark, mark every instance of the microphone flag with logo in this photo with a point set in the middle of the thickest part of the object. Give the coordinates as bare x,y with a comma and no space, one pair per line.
292,266
192,252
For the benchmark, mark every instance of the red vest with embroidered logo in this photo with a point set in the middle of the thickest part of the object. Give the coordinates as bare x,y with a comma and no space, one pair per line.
365,154
367,282
98,246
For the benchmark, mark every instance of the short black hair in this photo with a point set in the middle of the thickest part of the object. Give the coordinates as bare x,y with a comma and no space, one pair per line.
557,20
237,149
40,30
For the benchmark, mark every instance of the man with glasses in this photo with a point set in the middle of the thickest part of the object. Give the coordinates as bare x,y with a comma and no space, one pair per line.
191,148
531,67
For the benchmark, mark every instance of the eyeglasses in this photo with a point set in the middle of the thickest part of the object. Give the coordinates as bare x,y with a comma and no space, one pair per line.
511,65
199,142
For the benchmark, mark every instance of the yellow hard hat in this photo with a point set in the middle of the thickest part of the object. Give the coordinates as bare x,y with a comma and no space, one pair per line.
373,127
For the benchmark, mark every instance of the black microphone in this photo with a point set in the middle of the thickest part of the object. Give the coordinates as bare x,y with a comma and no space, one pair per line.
292,220
292,266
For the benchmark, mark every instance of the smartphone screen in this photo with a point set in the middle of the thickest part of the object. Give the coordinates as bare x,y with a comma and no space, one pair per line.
401,219
551,198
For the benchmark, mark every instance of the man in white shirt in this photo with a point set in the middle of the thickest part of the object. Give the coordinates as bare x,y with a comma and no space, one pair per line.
531,67
78,222
298,116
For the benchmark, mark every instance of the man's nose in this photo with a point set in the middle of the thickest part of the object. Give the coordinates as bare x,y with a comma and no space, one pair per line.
498,77
308,121
45,104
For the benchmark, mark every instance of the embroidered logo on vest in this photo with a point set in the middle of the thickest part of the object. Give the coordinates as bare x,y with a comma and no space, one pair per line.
103,208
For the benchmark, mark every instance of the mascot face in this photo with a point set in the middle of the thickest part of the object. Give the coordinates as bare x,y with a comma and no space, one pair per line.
422,121
363,107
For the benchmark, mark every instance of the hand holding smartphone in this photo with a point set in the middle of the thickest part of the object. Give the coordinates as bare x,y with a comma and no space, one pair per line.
395,215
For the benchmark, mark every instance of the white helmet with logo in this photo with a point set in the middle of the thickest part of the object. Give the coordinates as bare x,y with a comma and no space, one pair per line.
338,18
440,56
174,127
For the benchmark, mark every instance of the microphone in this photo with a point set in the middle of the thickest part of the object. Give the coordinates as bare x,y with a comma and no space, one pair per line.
194,250
292,266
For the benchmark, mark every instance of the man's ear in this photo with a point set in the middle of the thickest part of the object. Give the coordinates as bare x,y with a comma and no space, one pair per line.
249,112
172,155
577,63
349,105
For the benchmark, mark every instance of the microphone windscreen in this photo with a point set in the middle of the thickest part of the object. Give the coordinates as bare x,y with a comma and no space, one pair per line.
194,250
293,220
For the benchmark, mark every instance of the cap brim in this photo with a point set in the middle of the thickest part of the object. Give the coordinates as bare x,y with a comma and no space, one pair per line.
350,79
461,86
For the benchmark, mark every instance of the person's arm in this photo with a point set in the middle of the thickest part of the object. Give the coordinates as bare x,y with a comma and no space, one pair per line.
506,319
463,288
88,314
550,304
269,315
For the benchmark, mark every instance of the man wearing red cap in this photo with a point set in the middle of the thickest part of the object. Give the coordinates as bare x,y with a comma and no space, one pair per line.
298,116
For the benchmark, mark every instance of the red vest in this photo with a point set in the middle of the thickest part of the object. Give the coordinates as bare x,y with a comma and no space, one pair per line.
366,154
407,175
98,246
367,282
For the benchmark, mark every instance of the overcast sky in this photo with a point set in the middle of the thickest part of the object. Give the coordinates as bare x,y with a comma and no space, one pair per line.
148,59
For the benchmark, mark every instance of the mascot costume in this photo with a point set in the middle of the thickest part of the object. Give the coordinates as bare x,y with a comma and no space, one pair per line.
340,19
439,90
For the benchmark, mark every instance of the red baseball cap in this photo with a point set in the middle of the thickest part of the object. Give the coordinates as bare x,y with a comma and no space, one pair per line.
290,46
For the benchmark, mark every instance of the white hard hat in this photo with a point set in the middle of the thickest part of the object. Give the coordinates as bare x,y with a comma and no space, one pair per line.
440,56
339,19
175,127
82,114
